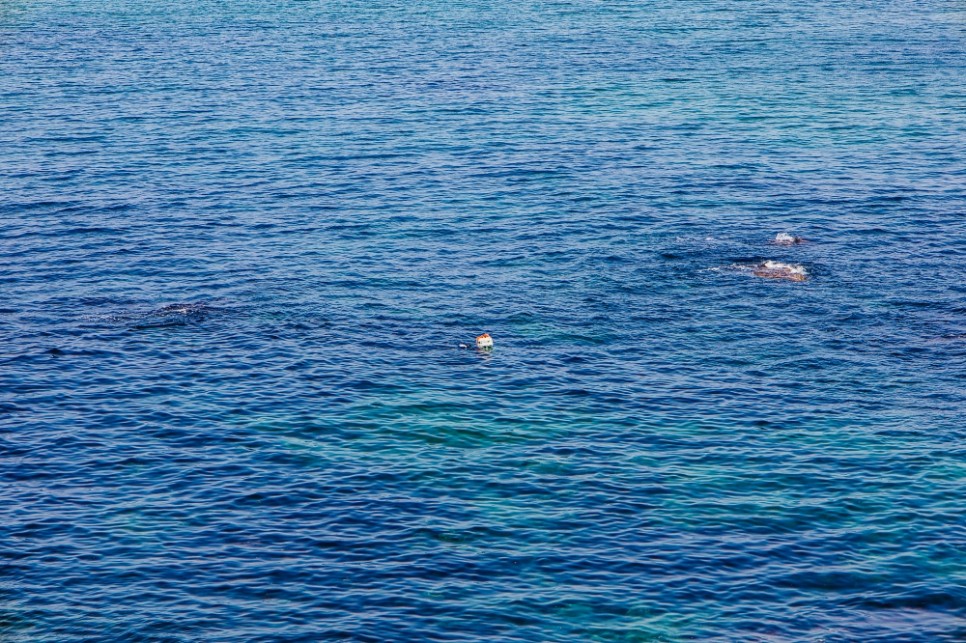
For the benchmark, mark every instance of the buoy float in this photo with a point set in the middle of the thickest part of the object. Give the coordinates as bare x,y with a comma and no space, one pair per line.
484,342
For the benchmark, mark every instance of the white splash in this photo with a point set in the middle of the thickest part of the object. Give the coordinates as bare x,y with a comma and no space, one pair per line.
780,270
785,239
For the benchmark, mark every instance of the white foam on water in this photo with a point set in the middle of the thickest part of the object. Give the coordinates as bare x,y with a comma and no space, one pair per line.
785,239
779,266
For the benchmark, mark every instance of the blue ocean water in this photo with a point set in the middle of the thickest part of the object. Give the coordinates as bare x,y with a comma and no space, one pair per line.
241,242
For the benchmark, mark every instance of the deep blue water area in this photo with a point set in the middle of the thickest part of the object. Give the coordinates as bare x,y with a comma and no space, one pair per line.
242,242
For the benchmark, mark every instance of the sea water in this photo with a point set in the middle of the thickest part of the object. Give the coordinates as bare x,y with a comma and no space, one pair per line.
242,242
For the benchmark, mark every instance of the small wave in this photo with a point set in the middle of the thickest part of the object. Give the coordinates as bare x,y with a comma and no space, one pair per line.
950,337
181,314
769,269
780,270
175,315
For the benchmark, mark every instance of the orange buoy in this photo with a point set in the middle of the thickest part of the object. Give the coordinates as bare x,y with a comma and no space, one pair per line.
484,342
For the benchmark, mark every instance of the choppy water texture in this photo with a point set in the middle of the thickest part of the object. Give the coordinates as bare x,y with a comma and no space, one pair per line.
241,242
